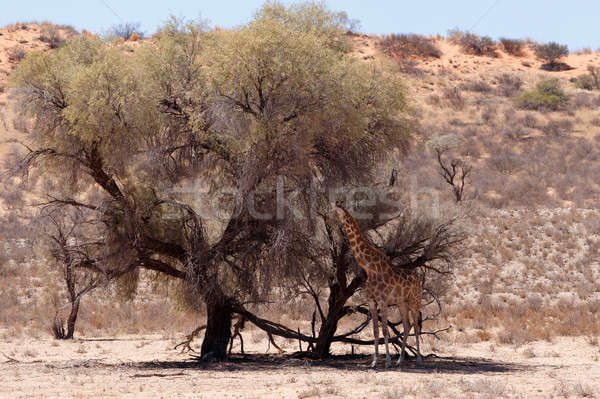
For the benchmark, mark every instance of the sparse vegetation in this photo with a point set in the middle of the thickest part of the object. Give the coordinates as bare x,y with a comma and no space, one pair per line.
125,30
591,80
513,46
409,45
50,33
474,44
16,53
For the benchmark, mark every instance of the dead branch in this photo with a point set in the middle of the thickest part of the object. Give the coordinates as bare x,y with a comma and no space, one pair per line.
186,344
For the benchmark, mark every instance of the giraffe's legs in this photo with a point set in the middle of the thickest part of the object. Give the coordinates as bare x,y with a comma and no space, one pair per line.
405,322
417,327
373,307
386,334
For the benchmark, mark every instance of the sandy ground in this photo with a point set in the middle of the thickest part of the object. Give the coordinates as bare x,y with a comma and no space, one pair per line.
149,367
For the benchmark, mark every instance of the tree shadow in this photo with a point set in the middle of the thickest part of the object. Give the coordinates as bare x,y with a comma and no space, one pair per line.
256,362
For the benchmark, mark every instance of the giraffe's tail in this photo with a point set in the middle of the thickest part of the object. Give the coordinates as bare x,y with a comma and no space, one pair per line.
420,321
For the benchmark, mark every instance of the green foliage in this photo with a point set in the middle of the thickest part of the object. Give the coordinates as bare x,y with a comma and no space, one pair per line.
547,95
310,17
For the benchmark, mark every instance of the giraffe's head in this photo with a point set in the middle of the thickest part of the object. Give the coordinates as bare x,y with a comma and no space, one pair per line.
339,214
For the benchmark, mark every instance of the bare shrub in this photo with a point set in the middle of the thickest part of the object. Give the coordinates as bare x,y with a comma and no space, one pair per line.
125,30
50,33
473,44
513,46
409,45
529,120
509,84
583,100
453,97
556,128
16,53
478,86
454,172
506,163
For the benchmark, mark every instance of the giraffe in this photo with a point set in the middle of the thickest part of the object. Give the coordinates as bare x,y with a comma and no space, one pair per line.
384,287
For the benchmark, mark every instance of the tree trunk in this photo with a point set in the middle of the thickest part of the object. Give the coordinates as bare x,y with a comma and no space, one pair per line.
218,330
336,302
72,319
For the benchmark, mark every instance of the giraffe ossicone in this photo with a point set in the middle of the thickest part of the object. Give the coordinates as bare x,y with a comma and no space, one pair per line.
384,287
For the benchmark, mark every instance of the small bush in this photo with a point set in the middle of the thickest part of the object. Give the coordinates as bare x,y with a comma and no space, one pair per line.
558,128
530,121
410,45
547,96
16,53
454,98
125,30
509,85
513,46
585,82
551,53
477,86
134,37
589,81
50,33
474,44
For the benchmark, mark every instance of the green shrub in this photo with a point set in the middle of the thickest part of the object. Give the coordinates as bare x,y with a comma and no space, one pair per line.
547,96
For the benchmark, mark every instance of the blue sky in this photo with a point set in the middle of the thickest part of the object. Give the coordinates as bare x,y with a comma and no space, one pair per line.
575,23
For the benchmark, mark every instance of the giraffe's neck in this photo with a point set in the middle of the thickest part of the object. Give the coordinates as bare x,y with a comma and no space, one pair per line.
368,257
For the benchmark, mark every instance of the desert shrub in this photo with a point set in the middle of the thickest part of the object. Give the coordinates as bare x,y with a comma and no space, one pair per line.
547,96
584,100
134,37
551,53
409,45
471,43
557,128
513,46
488,115
16,53
477,86
589,81
585,82
453,97
125,30
507,163
50,33
509,85
529,120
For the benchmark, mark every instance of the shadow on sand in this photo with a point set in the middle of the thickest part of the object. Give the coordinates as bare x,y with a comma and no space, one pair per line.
255,362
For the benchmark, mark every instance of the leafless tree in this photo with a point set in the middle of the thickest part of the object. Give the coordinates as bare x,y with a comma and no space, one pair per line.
78,257
454,172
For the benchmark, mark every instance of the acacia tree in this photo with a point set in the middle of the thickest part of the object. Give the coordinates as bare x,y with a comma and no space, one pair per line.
271,104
